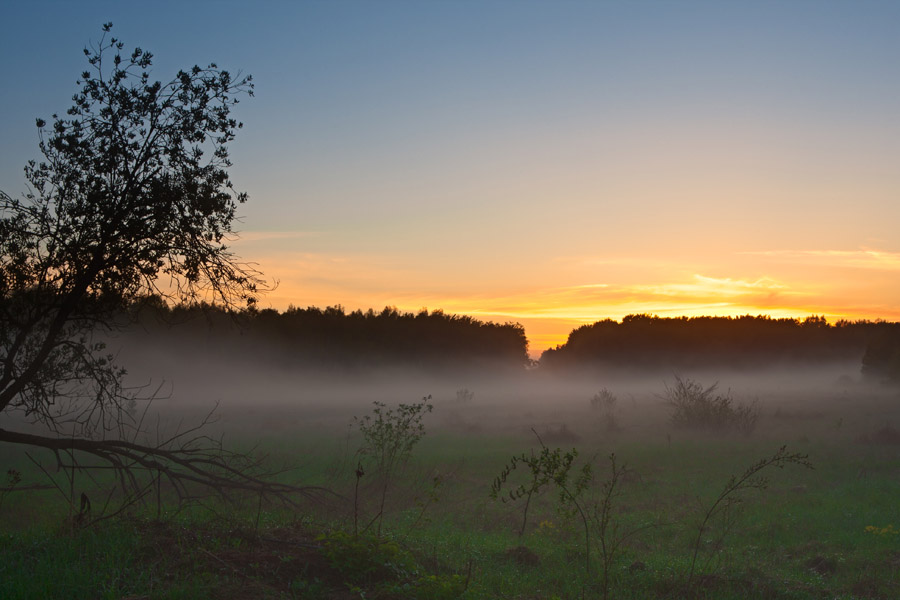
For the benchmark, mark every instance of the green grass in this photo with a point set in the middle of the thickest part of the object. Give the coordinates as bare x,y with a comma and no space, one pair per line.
95,563
804,537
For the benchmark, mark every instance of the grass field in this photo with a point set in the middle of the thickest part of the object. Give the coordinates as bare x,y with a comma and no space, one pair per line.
828,532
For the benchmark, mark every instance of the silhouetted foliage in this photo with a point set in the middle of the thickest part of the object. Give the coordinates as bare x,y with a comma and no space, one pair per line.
132,187
643,341
882,358
132,198
697,407
333,338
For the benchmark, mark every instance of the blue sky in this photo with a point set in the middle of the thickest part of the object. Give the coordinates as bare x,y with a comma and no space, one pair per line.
551,163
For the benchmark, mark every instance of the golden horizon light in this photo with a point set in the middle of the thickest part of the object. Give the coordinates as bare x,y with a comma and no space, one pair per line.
800,284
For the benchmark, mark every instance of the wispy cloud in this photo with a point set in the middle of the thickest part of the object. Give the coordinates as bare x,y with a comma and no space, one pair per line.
550,311
863,258
590,302
705,287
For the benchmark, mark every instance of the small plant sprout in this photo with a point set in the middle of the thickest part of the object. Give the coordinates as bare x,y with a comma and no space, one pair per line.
389,435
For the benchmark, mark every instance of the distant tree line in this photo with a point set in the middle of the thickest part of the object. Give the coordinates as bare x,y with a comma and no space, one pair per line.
882,357
334,338
648,341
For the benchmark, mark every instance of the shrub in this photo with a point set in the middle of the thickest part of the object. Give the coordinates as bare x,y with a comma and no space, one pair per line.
605,401
387,569
464,396
365,558
389,437
696,407
548,467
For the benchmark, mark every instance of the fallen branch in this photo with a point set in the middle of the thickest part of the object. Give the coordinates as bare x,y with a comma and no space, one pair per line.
187,463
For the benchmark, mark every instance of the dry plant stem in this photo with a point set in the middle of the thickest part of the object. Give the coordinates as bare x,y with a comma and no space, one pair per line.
610,536
195,460
432,499
384,488
535,485
359,475
608,547
525,512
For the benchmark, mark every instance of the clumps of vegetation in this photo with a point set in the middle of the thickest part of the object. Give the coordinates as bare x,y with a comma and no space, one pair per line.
881,531
605,402
697,407
881,361
364,558
372,563
684,342
558,434
464,396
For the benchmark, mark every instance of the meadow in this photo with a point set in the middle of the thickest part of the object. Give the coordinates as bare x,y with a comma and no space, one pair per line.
670,518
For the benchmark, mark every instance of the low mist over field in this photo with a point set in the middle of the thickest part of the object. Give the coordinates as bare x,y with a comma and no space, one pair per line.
266,390
274,373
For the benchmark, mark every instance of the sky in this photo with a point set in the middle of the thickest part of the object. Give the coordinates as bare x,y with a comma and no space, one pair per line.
545,163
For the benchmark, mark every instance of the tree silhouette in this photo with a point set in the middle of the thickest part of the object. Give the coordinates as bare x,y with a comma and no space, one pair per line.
882,357
131,199
333,341
687,342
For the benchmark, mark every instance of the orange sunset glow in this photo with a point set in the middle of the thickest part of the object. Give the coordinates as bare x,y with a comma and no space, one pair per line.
849,285
553,166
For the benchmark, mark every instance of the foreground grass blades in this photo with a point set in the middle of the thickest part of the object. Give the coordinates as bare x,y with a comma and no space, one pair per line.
664,527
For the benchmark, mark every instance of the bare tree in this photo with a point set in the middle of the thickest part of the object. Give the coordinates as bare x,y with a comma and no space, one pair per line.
132,199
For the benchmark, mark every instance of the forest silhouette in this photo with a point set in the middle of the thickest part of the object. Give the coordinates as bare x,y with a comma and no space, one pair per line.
332,338
335,338
648,341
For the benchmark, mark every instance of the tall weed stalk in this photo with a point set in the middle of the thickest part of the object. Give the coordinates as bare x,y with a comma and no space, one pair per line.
750,479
